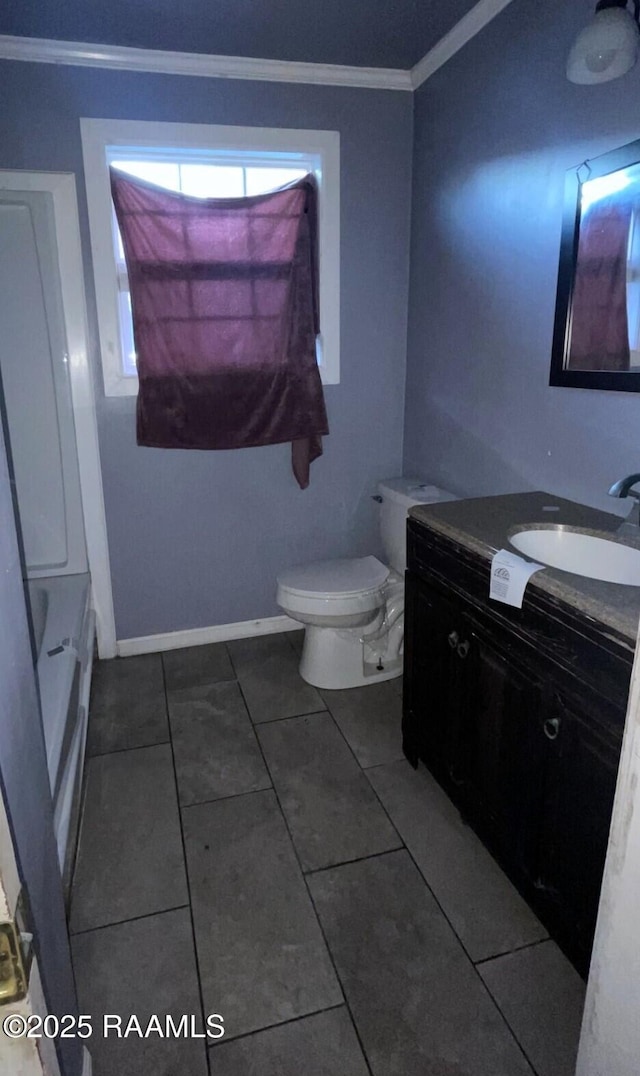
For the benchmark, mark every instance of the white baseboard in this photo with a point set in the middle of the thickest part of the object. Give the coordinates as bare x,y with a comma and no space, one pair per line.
217,633
87,1067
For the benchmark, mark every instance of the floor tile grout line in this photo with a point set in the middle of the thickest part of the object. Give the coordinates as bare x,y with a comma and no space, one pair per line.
342,1004
234,670
486,989
433,894
281,1023
475,963
131,919
229,796
356,1029
387,762
464,949
376,796
186,872
364,769
515,1038
123,750
315,910
313,870
439,905
172,691
81,823
288,717
358,859
424,879
510,952
270,788
83,794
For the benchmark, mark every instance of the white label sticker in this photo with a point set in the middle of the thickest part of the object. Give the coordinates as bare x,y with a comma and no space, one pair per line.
509,577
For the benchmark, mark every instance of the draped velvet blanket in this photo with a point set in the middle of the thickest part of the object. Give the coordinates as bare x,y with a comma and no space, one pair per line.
224,295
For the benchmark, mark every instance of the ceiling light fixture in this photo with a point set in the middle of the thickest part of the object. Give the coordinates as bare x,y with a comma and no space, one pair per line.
608,47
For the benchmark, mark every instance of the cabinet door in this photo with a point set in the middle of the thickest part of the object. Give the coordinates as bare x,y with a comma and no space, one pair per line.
433,689
507,753
577,818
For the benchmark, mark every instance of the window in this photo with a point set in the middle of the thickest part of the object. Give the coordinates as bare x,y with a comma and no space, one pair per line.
200,181
204,162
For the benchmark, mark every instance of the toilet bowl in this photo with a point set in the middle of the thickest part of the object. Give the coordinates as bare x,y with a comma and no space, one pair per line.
339,602
353,609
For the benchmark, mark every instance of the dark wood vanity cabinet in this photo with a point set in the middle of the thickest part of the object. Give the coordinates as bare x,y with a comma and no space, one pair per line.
574,826
525,740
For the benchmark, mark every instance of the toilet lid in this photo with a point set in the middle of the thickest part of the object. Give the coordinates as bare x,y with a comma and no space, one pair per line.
330,578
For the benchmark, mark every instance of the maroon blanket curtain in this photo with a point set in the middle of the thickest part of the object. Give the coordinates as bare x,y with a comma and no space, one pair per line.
224,294
599,326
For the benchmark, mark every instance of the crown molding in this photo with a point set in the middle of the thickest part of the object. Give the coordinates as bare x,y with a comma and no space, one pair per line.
469,25
159,61
202,65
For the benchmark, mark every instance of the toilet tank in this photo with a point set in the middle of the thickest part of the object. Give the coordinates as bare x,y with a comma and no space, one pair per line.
397,496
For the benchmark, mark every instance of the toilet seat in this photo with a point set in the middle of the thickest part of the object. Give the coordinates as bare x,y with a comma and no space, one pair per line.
334,587
335,578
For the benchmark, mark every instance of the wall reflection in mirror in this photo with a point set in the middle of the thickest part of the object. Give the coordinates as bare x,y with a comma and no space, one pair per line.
597,328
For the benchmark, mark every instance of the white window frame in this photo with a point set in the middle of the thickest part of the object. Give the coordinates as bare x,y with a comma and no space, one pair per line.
101,137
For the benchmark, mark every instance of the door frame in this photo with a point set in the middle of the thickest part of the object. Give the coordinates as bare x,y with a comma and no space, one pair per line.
62,187
610,1039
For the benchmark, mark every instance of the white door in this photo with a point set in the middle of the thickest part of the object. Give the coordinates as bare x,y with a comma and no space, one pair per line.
20,1056
27,845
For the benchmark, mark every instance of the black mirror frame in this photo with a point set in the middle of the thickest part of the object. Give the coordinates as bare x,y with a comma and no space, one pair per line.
559,375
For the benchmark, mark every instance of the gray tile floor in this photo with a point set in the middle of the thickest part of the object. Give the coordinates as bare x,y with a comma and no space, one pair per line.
255,848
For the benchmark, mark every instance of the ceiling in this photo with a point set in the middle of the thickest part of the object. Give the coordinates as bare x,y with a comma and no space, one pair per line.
369,33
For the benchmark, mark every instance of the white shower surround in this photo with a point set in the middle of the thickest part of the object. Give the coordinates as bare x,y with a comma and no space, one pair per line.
62,188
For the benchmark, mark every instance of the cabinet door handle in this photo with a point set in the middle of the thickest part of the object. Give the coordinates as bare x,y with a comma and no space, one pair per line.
551,727
453,639
464,649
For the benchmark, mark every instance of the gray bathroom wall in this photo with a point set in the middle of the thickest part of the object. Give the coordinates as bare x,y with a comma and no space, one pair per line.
197,538
495,130
24,780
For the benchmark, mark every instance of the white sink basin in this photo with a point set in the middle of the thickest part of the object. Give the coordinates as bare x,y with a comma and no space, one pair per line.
580,553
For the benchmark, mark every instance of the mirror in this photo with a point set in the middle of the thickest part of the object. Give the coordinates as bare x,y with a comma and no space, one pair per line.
596,340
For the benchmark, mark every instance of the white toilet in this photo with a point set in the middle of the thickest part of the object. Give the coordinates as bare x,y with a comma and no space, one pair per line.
353,610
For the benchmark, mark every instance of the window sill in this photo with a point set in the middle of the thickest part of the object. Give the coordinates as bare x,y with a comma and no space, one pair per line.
121,386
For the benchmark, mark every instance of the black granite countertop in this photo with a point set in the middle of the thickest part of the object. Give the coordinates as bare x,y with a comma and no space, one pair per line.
482,525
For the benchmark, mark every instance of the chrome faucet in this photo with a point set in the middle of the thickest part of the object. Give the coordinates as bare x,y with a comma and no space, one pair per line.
622,488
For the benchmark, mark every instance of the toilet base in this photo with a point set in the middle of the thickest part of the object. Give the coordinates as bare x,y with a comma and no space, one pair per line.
334,659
